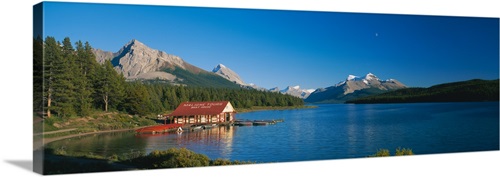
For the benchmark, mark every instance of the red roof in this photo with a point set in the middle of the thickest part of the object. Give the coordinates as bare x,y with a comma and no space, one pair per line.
200,108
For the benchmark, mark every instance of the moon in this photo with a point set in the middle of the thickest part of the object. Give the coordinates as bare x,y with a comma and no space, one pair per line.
376,34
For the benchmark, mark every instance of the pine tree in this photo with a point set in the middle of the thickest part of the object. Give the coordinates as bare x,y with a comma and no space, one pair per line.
110,86
83,80
63,80
137,99
38,101
52,55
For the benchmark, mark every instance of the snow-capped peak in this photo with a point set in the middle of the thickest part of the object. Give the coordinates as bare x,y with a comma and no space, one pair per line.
228,74
218,67
371,76
310,90
352,77
295,91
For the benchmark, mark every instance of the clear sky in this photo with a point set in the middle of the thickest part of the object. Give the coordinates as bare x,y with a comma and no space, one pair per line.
280,48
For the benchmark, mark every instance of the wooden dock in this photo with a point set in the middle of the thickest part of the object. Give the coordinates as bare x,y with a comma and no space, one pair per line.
256,122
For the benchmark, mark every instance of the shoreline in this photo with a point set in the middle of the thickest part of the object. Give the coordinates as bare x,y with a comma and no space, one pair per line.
49,140
266,108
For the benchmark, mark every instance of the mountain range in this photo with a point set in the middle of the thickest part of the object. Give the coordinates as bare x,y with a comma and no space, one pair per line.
229,74
354,87
136,61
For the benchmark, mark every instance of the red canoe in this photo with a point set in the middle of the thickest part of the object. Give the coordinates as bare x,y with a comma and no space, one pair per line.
159,128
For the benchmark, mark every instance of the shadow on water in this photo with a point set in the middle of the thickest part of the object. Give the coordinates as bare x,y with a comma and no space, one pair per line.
24,164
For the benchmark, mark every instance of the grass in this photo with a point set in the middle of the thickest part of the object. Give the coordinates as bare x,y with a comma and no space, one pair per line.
99,121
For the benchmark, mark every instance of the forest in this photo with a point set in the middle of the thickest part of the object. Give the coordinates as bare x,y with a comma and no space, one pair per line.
69,82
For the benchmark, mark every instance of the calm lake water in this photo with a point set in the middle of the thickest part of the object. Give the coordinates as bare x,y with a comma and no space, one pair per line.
331,131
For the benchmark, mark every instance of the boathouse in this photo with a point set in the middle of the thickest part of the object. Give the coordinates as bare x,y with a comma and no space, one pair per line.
203,113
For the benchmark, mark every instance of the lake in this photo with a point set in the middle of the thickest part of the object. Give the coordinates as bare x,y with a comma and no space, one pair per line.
330,131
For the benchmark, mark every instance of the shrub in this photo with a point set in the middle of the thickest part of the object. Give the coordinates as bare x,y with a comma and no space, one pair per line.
172,158
386,153
404,151
381,153
220,162
60,151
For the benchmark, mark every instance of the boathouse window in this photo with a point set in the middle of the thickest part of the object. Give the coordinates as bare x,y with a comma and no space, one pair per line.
191,119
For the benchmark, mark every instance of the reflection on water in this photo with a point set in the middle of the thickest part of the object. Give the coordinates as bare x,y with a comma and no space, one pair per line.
107,144
220,137
328,132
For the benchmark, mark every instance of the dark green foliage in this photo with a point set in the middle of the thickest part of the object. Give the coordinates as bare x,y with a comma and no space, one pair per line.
58,77
38,75
466,91
163,97
137,99
110,87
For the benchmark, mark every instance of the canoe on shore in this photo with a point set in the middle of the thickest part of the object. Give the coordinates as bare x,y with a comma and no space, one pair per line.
159,128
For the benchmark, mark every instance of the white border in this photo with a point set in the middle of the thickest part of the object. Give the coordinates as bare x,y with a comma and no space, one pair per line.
16,64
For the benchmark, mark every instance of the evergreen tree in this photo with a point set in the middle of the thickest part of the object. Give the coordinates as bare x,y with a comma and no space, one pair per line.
83,80
110,86
38,101
137,101
63,80
52,57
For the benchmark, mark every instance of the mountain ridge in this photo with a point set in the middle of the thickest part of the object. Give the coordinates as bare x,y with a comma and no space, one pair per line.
137,61
462,91
228,74
353,87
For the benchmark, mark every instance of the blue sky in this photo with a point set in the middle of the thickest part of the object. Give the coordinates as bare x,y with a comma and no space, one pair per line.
281,48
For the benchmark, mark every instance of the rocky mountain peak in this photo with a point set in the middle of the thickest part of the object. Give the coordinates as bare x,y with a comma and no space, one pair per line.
296,91
218,67
353,87
135,60
228,74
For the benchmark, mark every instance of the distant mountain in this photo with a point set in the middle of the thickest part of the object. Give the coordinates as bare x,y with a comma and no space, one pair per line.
297,92
232,76
275,89
136,61
465,91
228,74
354,87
